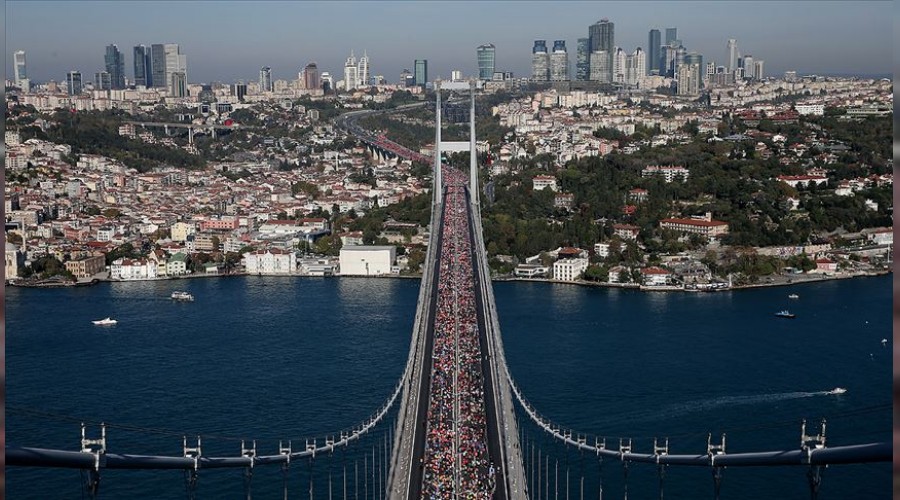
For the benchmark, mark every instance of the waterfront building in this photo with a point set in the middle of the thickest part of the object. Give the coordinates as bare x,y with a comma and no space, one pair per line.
133,269
559,62
486,61
115,66
569,268
15,260
540,61
265,79
87,266
271,261
655,276
73,80
143,68
177,264
358,260
654,45
421,72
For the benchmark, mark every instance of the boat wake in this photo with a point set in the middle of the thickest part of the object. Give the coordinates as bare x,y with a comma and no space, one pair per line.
709,405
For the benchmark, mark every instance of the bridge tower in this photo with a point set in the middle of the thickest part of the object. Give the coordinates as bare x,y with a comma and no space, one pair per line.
438,185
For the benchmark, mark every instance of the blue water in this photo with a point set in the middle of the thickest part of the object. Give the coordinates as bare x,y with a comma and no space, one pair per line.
279,358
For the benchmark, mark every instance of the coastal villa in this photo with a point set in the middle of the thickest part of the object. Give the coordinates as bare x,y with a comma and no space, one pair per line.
826,266
133,269
655,276
270,261
571,264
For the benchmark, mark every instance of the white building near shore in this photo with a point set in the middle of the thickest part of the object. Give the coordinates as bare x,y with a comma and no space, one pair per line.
359,260
270,261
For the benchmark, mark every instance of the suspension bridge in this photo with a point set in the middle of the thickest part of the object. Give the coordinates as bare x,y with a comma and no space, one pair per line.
456,425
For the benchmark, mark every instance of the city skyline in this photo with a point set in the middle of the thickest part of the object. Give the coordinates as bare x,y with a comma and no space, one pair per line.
54,35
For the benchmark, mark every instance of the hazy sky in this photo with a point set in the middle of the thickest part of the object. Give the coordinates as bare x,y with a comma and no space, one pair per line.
230,40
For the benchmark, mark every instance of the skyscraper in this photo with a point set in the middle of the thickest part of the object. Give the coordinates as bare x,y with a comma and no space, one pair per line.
73,81
688,80
559,62
486,61
602,36
20,72
311,77
748,67
635,67
102,80
731,54
351,72
265,79
671,35
407,78
421,72
362,70
143,68
653,46
619,62
758,69
166,59
115,66
583,59
178,84
600,66
240,90
540,61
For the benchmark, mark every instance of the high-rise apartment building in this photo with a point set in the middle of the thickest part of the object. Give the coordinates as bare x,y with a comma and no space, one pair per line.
73,81
758,69
600,71
265,79
407,78
540,61
166,59
731,55
619,60
178,84
311,77
635,67
421,71
456,76
362,70
21,73
115,66
559,62
603,37
583,59
688,80
747,64
671,35
486,61
143,67
102,80
710,71
240,90
351,72
654,43
694,58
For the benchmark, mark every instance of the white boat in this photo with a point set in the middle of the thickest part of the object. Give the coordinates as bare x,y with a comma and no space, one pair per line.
182,296
793,296
837,390
105,321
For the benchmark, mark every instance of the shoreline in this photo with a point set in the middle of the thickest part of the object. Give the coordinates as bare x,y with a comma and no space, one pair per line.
799,280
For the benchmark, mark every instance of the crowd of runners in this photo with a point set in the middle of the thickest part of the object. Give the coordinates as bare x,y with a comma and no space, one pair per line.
456,455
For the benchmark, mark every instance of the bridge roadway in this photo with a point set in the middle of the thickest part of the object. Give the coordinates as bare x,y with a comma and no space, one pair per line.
409,453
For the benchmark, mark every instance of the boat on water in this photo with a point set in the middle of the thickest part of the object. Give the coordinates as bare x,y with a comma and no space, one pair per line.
105,321
785,314
182,296
837,390
793,296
